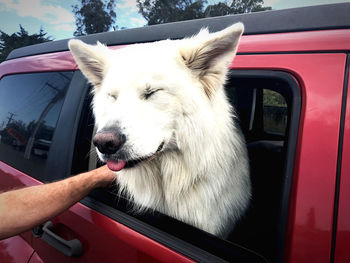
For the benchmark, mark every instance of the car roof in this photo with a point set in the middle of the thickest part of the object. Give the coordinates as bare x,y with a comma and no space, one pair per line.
321,17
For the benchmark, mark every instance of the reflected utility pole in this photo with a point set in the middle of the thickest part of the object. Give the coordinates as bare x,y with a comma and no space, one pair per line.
10,118
52,102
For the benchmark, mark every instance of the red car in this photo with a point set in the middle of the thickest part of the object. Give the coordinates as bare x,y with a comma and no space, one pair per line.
289,84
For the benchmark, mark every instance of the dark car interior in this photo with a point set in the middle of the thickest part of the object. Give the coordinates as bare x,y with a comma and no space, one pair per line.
264,127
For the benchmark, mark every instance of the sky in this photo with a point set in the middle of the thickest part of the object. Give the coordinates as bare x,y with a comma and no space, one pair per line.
57,19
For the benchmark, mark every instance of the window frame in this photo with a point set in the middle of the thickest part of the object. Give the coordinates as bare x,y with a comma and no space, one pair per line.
292,133
177,244
59,161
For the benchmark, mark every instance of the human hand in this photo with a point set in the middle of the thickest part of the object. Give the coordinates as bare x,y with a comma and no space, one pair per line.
104,176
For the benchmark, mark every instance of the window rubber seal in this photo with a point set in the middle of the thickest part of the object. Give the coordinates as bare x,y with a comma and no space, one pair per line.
340,157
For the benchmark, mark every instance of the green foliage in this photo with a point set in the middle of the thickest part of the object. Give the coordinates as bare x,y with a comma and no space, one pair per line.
273,98
219,9
275,112
236,7
94,16
165,11
248,6
20,39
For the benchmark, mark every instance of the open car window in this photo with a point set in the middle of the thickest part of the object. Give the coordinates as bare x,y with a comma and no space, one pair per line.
268,106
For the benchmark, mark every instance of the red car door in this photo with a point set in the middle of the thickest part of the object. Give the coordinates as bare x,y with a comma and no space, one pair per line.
15,250
310,218
342,219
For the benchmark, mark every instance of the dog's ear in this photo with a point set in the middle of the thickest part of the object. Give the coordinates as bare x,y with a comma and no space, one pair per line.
209,55
91,60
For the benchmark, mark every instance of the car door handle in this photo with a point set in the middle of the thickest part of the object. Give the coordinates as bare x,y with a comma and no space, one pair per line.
70,248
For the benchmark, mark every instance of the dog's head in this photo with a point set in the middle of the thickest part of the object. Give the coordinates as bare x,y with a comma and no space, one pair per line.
142,90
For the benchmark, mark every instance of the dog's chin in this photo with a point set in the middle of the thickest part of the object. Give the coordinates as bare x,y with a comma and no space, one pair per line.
116,164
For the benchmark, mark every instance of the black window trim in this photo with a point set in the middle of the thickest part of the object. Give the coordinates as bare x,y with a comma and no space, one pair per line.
340,157
292,133
59,161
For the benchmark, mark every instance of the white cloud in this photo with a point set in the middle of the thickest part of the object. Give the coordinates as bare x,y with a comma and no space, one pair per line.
138,21
52,14
270,2
130,4
127,14
65,27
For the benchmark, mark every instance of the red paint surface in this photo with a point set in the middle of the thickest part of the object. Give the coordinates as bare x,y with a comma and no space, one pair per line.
322,40
15,250
342,253
284,42
103,239
106,240
14,178
35,259
46,62
311,206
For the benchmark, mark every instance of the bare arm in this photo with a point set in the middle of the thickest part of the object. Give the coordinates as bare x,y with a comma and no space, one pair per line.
35,205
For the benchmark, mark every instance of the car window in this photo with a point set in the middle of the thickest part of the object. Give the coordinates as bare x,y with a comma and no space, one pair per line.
30,105
268,106
275,112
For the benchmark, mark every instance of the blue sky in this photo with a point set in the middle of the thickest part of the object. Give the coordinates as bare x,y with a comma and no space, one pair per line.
56,16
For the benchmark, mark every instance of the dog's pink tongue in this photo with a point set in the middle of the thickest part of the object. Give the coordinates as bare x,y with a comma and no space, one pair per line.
116,165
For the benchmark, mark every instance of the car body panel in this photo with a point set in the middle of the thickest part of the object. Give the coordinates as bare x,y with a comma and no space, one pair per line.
103,239
316,41
343,225
15,250
35,258
46,62
312,197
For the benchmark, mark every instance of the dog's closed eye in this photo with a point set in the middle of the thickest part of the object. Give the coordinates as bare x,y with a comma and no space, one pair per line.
112,96
149,92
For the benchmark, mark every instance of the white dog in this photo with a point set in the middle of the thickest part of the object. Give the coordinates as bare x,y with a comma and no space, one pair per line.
165,125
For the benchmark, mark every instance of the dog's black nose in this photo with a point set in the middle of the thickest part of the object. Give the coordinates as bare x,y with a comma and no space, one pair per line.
108,142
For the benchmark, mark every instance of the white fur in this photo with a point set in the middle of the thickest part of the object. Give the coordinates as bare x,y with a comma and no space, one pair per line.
201,176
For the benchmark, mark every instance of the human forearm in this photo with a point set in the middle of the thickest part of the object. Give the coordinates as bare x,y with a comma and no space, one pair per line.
25,208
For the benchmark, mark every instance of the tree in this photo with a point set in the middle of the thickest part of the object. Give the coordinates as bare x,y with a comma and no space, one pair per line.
219,9
94,16
235,7
165,11
273,98
20,39
248,6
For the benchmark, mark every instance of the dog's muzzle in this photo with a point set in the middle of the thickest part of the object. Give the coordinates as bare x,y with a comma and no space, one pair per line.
109,142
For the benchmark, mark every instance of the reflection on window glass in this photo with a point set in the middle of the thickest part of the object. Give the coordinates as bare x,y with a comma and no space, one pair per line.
275,112
29,108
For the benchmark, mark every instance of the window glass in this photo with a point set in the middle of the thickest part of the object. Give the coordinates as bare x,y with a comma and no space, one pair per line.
29,108
275,112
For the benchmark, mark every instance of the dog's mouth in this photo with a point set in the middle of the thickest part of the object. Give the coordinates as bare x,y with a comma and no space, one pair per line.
117,165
